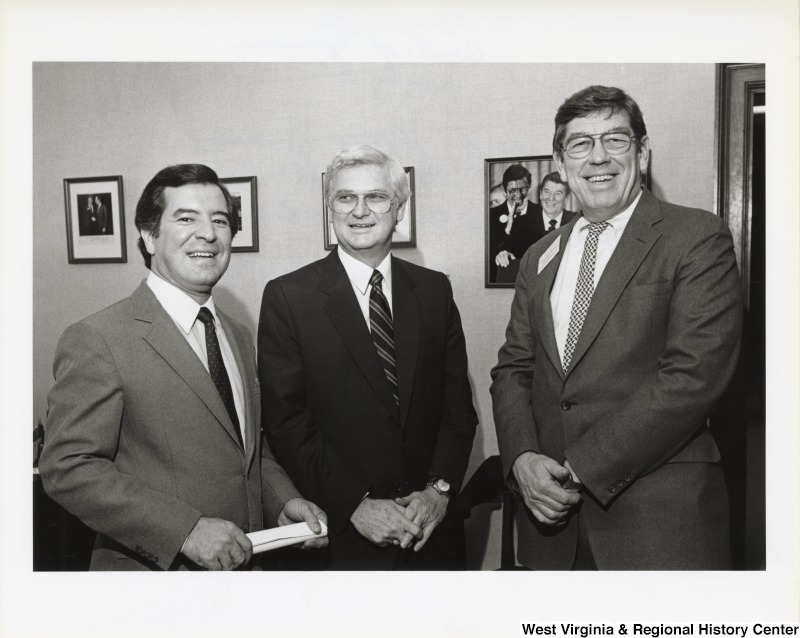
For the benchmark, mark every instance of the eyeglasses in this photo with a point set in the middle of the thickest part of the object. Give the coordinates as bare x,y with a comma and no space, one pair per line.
518,191
378,203
614,143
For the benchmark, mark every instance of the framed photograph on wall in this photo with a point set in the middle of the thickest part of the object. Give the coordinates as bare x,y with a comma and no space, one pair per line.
245,194
515,214
95,220
405,233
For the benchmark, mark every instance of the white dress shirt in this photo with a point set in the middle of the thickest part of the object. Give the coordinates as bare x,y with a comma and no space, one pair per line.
567,277
546,220
183,310
359,274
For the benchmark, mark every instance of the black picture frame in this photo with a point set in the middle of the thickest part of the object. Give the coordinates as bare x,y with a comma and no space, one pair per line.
95,216
244,191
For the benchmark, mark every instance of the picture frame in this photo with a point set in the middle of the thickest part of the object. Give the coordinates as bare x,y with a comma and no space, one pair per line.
405,233
539,166
244,191
95,216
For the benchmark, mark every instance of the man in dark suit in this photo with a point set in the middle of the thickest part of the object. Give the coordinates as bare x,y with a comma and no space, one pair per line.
363,369
528,229
153,433
624,332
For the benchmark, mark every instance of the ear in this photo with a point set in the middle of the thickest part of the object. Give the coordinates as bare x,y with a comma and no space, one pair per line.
401,212
559,161
149,241
644,154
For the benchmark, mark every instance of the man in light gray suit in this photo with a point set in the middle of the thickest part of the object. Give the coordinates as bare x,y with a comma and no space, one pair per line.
153,433
624,332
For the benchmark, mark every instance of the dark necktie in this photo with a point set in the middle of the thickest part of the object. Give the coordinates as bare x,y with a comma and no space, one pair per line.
380,325
552,226
584,290
216,367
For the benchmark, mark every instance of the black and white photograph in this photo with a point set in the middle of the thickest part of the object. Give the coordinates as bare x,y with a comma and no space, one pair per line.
525,199
244,191
95,220
411,321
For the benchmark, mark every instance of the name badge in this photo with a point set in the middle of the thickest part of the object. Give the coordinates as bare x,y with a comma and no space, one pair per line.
548,255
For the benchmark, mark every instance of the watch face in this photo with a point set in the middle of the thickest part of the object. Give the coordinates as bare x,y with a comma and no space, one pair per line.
442,485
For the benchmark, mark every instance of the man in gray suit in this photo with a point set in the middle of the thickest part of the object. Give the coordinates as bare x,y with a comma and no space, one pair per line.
624,332
153,433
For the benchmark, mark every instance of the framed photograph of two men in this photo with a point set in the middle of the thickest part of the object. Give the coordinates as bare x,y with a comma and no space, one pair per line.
95,220
522,195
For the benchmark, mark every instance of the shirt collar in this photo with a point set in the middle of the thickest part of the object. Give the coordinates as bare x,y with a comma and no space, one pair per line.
618,221
180,306
359,273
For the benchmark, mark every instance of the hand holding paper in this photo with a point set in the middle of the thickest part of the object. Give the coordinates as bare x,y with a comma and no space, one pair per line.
269,539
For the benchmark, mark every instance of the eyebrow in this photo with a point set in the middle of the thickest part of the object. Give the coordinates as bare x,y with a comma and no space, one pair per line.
619,129
349,191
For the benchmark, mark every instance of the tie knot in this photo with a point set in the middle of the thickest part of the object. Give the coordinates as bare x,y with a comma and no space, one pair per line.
376,279
205,316
552,223
595,228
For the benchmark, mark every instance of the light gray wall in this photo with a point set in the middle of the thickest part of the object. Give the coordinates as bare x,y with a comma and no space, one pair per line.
283,123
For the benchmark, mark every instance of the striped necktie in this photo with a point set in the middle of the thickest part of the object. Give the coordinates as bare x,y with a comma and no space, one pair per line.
380,325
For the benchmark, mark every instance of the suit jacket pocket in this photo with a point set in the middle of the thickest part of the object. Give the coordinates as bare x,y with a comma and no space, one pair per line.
650,290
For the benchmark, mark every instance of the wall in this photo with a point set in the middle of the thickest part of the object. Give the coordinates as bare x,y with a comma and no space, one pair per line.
283,123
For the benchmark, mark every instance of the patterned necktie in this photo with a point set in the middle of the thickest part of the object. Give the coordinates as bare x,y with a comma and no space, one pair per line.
216,367
552,226
380,325
583,290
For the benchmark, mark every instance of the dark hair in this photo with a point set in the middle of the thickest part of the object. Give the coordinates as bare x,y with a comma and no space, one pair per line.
591,100
514,173
151,203
556,179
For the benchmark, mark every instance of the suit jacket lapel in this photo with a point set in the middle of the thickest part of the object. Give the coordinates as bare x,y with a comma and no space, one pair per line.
239,345
165,338
345,314
405,308
634,245
544,284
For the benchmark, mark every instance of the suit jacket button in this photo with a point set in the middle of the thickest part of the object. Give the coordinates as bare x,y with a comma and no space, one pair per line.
627,478
620,483
612,489
565,405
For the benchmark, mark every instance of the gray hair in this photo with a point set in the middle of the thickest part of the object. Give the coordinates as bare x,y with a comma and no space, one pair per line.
364,155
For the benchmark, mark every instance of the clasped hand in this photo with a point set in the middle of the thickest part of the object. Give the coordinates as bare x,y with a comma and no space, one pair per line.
540,478
385,522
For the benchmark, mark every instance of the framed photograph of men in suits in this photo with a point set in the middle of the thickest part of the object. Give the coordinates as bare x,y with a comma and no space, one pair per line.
245,194
525,199
95,220
405,233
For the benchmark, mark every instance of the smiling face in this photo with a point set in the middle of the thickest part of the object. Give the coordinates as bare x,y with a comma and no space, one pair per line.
517,192
364,235
193,246
552,197
604,184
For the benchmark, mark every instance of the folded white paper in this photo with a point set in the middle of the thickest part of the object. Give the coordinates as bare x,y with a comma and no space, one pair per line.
268,539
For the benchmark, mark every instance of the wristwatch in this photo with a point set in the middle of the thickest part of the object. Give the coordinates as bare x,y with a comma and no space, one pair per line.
439,484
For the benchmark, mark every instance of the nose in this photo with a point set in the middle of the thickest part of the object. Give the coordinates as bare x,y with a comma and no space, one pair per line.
361,209
599,155
205,230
